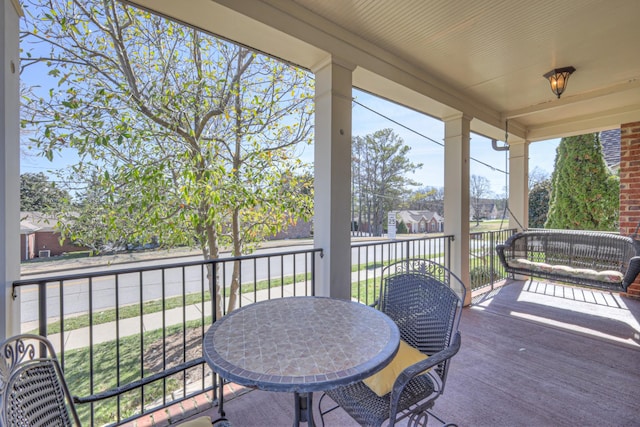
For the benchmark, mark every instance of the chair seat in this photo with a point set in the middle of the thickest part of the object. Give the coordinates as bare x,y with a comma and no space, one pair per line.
368,409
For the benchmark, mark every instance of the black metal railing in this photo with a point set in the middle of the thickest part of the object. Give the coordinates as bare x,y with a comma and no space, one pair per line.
368,259
484,267
129,339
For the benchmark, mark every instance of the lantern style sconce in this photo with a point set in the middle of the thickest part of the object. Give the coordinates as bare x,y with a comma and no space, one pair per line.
558,78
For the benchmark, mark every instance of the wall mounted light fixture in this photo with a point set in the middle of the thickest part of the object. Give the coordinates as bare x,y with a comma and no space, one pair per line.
558,78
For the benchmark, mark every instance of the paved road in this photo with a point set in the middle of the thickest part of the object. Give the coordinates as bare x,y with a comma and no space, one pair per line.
109,291
123,289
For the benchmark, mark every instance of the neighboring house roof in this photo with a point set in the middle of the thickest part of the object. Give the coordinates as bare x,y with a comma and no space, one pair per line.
485,208
27,228
408,216
31,222
610,141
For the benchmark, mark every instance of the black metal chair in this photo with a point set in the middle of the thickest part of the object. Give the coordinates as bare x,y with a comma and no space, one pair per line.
33,392
425,300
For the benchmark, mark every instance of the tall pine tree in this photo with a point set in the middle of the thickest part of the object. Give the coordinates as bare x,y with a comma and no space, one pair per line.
584,195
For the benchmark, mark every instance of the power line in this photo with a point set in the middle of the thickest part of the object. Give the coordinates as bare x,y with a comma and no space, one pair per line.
423,135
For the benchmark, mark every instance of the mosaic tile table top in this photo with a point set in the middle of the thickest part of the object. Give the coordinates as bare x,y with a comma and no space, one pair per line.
300,344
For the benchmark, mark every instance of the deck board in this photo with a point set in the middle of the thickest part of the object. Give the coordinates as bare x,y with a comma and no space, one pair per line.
533,354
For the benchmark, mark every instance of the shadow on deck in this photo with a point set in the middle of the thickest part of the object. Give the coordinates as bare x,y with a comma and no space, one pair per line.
533,354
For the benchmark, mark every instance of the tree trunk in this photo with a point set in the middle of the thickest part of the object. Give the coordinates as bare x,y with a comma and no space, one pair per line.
236,235
237,251
211,253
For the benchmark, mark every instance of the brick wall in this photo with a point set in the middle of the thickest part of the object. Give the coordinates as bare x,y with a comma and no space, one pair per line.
31,239
51,241
301,230
630,186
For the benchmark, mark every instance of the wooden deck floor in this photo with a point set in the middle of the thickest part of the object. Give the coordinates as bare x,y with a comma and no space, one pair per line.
533,354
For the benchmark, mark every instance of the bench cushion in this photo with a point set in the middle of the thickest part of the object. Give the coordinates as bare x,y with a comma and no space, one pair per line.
608,276
524,263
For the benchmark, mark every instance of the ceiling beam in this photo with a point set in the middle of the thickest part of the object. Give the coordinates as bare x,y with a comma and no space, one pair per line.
568,101
594,122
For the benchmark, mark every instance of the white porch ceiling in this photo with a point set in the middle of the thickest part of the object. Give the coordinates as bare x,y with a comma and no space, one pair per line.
484,58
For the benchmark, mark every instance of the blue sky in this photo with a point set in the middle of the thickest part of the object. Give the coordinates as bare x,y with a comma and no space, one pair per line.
423,150
541,154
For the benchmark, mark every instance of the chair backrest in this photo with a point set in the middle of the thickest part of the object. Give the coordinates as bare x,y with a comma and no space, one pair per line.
33,392
425,300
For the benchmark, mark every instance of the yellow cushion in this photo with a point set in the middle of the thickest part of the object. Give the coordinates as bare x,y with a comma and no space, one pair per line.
198,422
381,383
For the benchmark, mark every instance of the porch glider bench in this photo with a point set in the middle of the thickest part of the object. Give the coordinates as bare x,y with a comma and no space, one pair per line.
588,258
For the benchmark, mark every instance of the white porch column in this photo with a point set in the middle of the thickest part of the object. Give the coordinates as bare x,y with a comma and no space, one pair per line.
457,139
331,226
519,184
9,166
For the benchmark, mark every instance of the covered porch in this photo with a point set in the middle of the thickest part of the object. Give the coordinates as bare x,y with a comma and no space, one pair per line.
534,353
478,68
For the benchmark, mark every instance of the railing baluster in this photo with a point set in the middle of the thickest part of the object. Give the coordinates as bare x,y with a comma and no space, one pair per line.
309,281
42,309
164,334
295,282
314,258
223,284
140,281
255,279
268,277
203,284
60,315
184,326
91,347
239,283
117,296
366,273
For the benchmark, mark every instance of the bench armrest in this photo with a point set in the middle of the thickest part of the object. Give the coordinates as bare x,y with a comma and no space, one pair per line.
501,247
500,250
632,272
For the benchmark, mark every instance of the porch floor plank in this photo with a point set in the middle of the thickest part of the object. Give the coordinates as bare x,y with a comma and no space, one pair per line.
533,354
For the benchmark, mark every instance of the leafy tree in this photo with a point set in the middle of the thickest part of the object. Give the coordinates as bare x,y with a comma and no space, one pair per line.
402,228
480,188
39,194
90,208
584,193
537,176
380,162
539,203
187,138
427,199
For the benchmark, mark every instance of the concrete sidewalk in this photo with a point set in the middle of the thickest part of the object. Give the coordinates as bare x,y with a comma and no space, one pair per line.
80,338
105,332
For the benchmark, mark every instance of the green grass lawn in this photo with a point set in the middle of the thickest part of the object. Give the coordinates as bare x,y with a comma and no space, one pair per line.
488,225
107,360
134,310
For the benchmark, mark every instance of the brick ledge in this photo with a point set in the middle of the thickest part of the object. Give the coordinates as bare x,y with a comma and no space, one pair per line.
189,408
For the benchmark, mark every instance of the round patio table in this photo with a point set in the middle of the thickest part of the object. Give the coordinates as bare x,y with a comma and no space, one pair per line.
301,345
